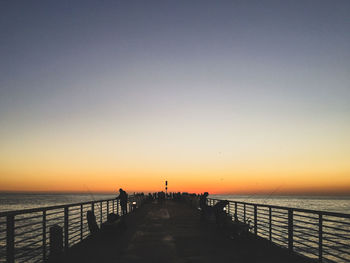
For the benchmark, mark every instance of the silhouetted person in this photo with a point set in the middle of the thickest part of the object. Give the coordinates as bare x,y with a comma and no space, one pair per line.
161,197
203,204
203,200
123,196
220,214
91,219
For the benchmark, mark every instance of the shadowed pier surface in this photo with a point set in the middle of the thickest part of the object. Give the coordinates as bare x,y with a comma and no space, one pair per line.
172,232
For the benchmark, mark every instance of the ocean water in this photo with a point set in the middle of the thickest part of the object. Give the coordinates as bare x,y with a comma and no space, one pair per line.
339,204
16,201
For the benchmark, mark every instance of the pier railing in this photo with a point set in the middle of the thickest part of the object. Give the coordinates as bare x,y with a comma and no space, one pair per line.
321,235
24,234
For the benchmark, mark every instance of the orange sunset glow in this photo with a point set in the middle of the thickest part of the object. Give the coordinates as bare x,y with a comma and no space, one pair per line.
216,167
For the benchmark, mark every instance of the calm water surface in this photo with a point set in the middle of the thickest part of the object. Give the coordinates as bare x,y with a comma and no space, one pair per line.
24,201
325,203
340,204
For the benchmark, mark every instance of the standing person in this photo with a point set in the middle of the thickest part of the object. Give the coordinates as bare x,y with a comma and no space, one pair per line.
203,204
123,196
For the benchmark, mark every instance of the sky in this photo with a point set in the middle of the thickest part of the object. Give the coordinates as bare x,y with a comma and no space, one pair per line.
241,97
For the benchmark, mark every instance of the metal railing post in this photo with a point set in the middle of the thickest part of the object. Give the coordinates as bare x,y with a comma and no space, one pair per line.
270,224
66,232
10,239
244,213
255,220
81,222
44,235
113,206
107,207
236,209
93,207
290,229
100,213
117,206
320,237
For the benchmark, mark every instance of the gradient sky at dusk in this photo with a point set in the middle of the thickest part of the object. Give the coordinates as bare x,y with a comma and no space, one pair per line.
218,96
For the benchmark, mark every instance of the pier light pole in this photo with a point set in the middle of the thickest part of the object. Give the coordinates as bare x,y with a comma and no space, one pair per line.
166,187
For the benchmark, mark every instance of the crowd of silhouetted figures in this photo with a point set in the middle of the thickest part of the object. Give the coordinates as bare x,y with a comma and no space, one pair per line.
161,196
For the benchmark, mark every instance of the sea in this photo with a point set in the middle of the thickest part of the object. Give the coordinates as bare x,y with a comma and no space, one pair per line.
19,201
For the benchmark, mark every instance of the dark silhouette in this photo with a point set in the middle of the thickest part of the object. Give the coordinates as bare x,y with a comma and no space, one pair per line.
123,196
203,204
113,225
203,200
56,244
220,215
161,197
91,219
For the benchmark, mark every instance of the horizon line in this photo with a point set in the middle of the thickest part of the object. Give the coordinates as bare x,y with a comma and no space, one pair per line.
345,193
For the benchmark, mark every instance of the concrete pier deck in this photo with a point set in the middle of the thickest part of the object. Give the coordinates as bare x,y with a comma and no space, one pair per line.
172,232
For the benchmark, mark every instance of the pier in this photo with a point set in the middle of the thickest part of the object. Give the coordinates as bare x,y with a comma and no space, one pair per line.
172,231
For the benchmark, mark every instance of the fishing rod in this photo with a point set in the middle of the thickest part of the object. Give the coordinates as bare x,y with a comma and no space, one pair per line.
92,196
274,191
264,200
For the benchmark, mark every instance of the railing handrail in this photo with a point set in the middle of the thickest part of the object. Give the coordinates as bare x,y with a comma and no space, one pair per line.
64,217
318,212
46,208
286,235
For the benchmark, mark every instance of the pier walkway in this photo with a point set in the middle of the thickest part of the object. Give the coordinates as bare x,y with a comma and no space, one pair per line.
172,232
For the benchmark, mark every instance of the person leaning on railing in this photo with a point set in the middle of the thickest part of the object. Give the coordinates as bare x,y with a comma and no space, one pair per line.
203,204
